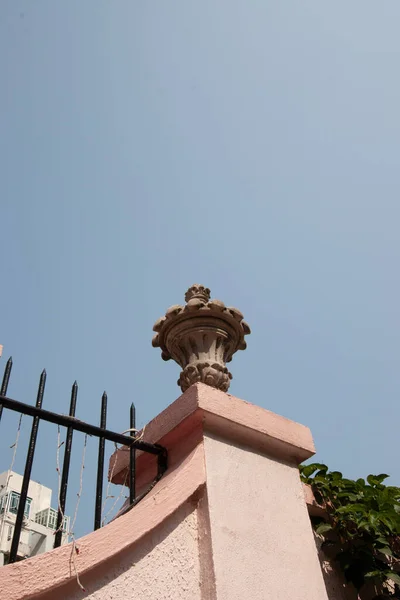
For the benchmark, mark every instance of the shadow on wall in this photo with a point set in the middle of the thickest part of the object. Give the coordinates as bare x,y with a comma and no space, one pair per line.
336,586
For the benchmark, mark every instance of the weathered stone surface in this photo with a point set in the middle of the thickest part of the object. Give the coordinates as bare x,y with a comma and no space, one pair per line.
201,337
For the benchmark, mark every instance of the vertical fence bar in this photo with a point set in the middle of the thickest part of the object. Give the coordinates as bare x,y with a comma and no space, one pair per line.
100,465
27,472
162,463
6,379
65,471
132,457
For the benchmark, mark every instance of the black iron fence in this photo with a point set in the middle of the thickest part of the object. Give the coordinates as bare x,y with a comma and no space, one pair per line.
72,424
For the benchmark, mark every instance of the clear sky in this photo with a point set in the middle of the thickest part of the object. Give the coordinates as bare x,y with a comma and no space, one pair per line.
252,146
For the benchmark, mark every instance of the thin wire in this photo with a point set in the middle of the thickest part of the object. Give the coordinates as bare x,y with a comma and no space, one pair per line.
80,484
15,446
138,437
59,444
75,550
108,495
70,531
108,485
117,499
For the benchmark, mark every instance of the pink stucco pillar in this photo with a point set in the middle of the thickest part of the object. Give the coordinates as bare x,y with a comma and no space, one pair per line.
227,521
254,529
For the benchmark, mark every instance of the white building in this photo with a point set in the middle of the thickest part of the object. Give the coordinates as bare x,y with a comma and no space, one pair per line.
39,525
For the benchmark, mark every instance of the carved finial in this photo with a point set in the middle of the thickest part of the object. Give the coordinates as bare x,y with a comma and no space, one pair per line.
201,337
198,291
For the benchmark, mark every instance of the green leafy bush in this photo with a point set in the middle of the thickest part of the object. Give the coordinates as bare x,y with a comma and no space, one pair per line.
361,529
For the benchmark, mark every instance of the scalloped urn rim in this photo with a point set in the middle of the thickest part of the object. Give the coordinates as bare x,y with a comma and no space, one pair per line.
201,337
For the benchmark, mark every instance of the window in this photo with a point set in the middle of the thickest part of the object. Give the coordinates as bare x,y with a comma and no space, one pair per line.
14,503
48,518
41,518
27,510
3,503
10,533
52,523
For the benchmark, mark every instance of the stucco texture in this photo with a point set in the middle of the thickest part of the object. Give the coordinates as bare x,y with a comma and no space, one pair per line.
164,566
228,520
263,545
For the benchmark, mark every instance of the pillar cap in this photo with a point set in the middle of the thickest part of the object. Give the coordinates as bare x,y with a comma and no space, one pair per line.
202,410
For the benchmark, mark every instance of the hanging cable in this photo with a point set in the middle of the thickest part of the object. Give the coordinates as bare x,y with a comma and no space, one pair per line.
70,532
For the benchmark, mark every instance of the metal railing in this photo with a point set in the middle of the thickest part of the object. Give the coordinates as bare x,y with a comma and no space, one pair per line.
72,424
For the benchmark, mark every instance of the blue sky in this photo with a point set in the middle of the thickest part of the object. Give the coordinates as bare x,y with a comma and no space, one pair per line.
249,146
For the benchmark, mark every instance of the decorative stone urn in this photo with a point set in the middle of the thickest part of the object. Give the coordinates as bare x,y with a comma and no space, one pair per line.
201,337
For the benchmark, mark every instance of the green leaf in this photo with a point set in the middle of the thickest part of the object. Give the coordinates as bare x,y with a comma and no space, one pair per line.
308,470
376,479
334,475
352,508
386,550
395,577
373,517
351,497
381,540
348,483
394,492
363,524
320,480
373,574
386,520
323,528
366,517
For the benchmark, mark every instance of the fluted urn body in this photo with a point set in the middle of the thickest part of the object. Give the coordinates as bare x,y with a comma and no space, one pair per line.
201,337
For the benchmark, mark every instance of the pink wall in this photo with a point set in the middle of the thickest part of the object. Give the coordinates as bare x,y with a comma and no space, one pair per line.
51,575
228,520
164,566
263,546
